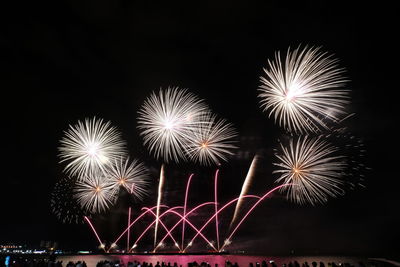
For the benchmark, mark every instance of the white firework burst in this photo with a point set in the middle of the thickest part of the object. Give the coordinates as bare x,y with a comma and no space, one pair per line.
211,141
131,175
166,119
89,145
313,169
95,193
305,90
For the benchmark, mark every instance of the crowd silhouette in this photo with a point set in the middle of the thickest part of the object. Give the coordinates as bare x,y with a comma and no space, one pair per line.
52,262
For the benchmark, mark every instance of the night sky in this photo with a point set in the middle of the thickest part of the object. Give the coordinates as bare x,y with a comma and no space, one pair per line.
65,61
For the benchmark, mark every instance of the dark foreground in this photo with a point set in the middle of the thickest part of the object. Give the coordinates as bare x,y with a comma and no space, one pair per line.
191,261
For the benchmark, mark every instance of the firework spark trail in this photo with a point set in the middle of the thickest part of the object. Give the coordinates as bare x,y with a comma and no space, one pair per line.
94,231
64,204
353,147
129,222
184,218
212,217
128,235
195,228
216,205
163,225
313,166
304,89
132,223
89,145
184,208
245,188
250,210
160,187
152,223
169,232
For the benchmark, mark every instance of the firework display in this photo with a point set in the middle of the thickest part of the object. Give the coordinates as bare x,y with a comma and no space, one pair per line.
304,90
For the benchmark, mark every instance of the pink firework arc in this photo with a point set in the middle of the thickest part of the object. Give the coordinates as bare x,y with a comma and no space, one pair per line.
182,214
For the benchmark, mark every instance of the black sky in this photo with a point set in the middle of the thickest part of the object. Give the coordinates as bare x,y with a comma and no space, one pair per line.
64,61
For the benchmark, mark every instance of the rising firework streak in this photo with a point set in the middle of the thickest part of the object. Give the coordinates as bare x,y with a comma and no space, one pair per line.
160,190
245,188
